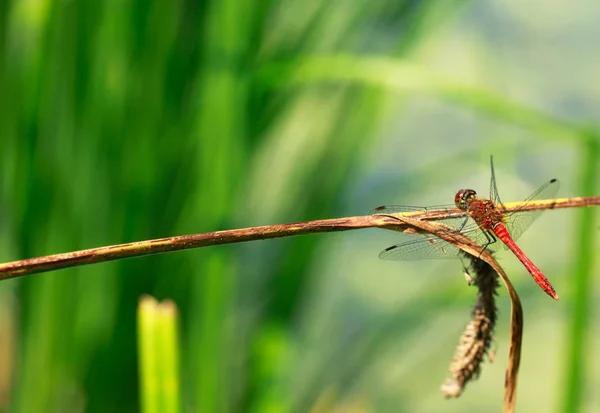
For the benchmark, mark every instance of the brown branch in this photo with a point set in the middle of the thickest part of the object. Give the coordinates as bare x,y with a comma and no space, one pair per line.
158,246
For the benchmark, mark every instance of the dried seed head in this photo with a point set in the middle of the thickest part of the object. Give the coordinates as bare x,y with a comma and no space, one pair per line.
478,335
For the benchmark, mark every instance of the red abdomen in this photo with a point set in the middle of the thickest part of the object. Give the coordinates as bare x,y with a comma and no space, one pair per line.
501,232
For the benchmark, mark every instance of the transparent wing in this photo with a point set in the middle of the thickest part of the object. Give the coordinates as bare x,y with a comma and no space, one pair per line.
395,209
493,188
421,249
459,222
427,246
517,222
431,247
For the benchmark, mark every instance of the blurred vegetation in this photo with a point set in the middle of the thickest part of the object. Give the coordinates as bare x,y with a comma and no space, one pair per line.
123,121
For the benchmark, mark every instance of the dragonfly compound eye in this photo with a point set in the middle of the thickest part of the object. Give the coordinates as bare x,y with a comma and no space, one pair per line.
459,199
464,197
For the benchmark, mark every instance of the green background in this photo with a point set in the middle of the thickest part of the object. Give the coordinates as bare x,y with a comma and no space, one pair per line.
127,120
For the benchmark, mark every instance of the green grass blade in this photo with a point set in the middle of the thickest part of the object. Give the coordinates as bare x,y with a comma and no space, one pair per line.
149,355
168,352
158,356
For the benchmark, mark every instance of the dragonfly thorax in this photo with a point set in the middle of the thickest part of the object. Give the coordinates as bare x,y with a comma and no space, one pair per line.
464,197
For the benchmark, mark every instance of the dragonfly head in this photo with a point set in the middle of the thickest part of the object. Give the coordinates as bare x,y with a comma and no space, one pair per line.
464,197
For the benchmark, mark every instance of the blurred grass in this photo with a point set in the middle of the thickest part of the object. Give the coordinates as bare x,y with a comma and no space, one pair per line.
123,121
411,78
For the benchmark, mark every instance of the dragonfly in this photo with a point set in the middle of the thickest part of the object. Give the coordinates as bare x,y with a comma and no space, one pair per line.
484,221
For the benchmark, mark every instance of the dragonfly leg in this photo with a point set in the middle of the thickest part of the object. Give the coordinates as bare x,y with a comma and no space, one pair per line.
463,224
491,239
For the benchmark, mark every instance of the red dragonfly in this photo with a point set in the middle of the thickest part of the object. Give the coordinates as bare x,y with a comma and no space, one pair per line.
484,220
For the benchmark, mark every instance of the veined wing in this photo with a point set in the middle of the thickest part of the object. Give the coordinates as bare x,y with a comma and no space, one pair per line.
420,249
493,188
428,247
461,222
396,209
517,222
